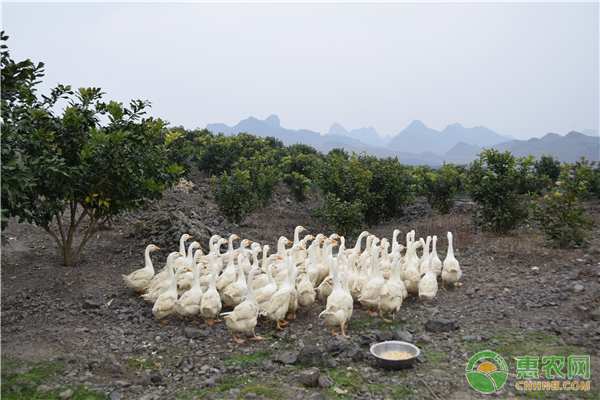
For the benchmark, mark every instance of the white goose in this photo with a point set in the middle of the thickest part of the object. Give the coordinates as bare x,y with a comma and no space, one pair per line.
244,316
393,292
369,296
428,286
154,291
279,303
437,263
139,279
451,271
424,260
188,305
305,289
336,312
236,291
210,305
165,303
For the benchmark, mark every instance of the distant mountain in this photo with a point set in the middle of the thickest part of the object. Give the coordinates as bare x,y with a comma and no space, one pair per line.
368,136
590,132
419,145
417,138
566,148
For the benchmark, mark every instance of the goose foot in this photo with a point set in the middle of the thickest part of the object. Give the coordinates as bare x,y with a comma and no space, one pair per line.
383,318
164,321
279,328
256,337
292,316
442,286
194,321
344,333
240,341
372,313
283,322
209,321
332,331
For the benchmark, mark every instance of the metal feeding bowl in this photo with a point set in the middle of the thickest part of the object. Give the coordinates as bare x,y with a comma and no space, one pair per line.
391,346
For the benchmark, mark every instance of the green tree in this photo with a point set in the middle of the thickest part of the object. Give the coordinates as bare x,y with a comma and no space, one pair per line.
494,182
235,195
440,186
549,166
76,171
560,213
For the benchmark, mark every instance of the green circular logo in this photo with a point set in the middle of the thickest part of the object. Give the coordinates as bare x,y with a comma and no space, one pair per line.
484,375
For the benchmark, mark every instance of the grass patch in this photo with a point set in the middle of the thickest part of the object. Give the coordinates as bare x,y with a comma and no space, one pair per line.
28,376
357,325
268,390
144,362
255,357
346,382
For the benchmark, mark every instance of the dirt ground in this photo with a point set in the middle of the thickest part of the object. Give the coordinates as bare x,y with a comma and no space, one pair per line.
518,295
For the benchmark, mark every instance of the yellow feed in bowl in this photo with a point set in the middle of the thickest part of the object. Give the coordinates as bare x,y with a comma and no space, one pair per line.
397,355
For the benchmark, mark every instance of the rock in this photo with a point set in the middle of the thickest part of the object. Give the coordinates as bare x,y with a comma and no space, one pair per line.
356,355
383,336
138,227
43,388
403,336
331,363
16,388
210,382
596,314
114,396
317,396
249,396
469,337
66,394
90,304
486,335
326,382
310,377
287,358
267,365
146,379
310,356
194,333
424,339
578,288
440,325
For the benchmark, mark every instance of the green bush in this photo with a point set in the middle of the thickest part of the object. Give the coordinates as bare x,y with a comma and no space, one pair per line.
347,218
235,195
560,213
440,187
298,184
586,172
548,166
494,182
375,189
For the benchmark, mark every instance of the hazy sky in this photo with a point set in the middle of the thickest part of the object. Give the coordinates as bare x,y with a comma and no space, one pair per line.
520,69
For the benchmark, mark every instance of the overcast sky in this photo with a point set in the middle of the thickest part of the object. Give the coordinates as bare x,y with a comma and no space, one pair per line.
520,69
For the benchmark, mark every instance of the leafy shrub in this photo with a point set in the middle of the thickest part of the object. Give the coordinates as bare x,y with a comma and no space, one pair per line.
494,181
347,218
298,184
584,171
373,188
440,187
560,214
235,195
548,166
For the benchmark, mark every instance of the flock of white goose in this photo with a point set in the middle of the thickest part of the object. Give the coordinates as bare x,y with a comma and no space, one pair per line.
378,278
